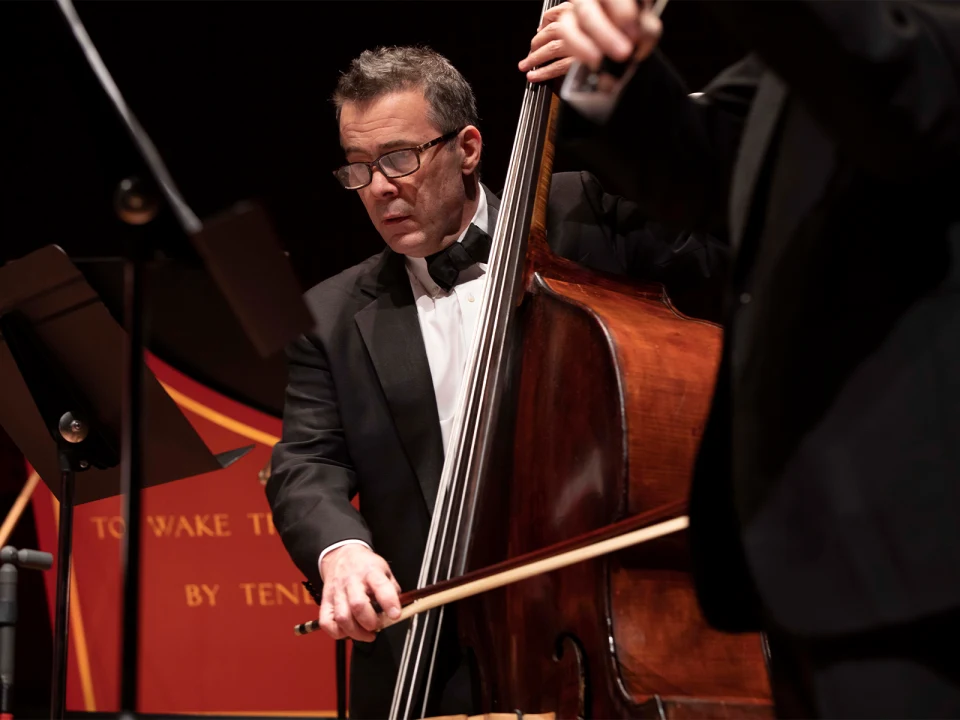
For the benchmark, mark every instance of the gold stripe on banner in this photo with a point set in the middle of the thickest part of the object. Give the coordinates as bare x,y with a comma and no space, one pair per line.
77,633
13,517
228,423
220,419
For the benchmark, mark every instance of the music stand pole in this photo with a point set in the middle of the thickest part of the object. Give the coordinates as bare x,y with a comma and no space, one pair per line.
341,665
136,206
72,430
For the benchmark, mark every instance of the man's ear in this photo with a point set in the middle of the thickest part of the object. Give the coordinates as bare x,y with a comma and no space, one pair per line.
472,144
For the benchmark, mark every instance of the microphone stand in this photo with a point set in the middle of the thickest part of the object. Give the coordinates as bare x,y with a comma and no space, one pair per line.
10,560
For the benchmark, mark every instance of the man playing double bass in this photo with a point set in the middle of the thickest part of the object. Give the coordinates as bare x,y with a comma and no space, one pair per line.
372,388
826,500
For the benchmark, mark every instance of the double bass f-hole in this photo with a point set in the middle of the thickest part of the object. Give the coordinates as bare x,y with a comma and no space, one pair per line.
568,645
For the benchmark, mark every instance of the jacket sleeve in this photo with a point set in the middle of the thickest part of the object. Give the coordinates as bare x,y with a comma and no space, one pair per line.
312,481
613,234
671,154
881,76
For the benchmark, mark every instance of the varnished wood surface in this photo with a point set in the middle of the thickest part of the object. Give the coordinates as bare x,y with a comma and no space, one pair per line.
631,380
607,405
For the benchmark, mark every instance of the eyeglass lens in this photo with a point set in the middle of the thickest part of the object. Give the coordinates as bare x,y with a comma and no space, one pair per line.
394,164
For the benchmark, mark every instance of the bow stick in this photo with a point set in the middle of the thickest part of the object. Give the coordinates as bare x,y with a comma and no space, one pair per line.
618,536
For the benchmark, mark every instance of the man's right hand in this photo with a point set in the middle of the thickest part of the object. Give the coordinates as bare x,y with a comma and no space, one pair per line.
352,576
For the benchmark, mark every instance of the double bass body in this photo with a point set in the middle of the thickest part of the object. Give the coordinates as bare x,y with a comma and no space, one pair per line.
584,401
609,399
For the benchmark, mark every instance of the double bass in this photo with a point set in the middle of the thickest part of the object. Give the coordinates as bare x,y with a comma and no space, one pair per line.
582,406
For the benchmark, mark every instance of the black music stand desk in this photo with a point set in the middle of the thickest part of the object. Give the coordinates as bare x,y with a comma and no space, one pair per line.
62,360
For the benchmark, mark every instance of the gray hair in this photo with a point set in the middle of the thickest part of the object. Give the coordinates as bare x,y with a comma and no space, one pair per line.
376,73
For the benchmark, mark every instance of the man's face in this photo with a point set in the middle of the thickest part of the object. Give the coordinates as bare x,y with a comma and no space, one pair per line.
416,213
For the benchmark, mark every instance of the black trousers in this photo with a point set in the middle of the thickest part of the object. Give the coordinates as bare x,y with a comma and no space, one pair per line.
905,671
373,675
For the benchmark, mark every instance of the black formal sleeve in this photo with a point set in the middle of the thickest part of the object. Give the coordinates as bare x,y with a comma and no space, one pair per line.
882,76
671,154
312,481
613,234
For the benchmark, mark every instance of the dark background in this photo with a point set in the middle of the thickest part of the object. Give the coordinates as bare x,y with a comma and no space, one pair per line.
235,95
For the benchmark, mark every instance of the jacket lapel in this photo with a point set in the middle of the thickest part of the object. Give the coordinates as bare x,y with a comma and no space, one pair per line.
758,130
391,332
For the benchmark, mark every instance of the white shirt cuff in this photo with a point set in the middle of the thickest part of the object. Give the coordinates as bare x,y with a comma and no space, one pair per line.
334,547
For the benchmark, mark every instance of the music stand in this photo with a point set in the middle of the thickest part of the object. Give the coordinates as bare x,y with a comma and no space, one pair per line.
244,257
66,403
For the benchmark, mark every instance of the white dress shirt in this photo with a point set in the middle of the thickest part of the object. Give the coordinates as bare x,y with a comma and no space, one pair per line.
448,321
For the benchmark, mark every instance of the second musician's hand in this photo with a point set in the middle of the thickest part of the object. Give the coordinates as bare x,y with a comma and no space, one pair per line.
548,57
618,29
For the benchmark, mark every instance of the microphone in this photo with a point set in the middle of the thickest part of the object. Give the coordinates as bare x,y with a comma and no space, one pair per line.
29,559
10,560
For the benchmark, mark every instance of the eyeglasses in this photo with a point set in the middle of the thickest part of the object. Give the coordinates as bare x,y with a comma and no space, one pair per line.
394,164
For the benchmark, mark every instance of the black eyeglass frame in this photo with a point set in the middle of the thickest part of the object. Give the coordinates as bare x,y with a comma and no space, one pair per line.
418,151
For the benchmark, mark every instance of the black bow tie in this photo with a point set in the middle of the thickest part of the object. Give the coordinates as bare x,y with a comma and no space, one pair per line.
445,266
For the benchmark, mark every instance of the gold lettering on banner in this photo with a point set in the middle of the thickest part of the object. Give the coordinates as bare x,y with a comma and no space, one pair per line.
175,526
283,592
99,522
262,523
183,525
199,594
116,526
220,525
161,524
268,594
194,597
202,527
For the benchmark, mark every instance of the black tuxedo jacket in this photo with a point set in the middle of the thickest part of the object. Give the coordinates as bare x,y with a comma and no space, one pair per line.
827,491
360,416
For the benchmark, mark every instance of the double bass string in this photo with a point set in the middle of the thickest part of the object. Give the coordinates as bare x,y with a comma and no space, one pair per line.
478,397
504,282
454,471
504,279
457,468
485,386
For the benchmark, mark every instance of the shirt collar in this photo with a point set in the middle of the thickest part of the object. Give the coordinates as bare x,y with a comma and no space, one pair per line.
418,266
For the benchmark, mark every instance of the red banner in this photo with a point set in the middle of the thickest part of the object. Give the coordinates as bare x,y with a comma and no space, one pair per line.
219,594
